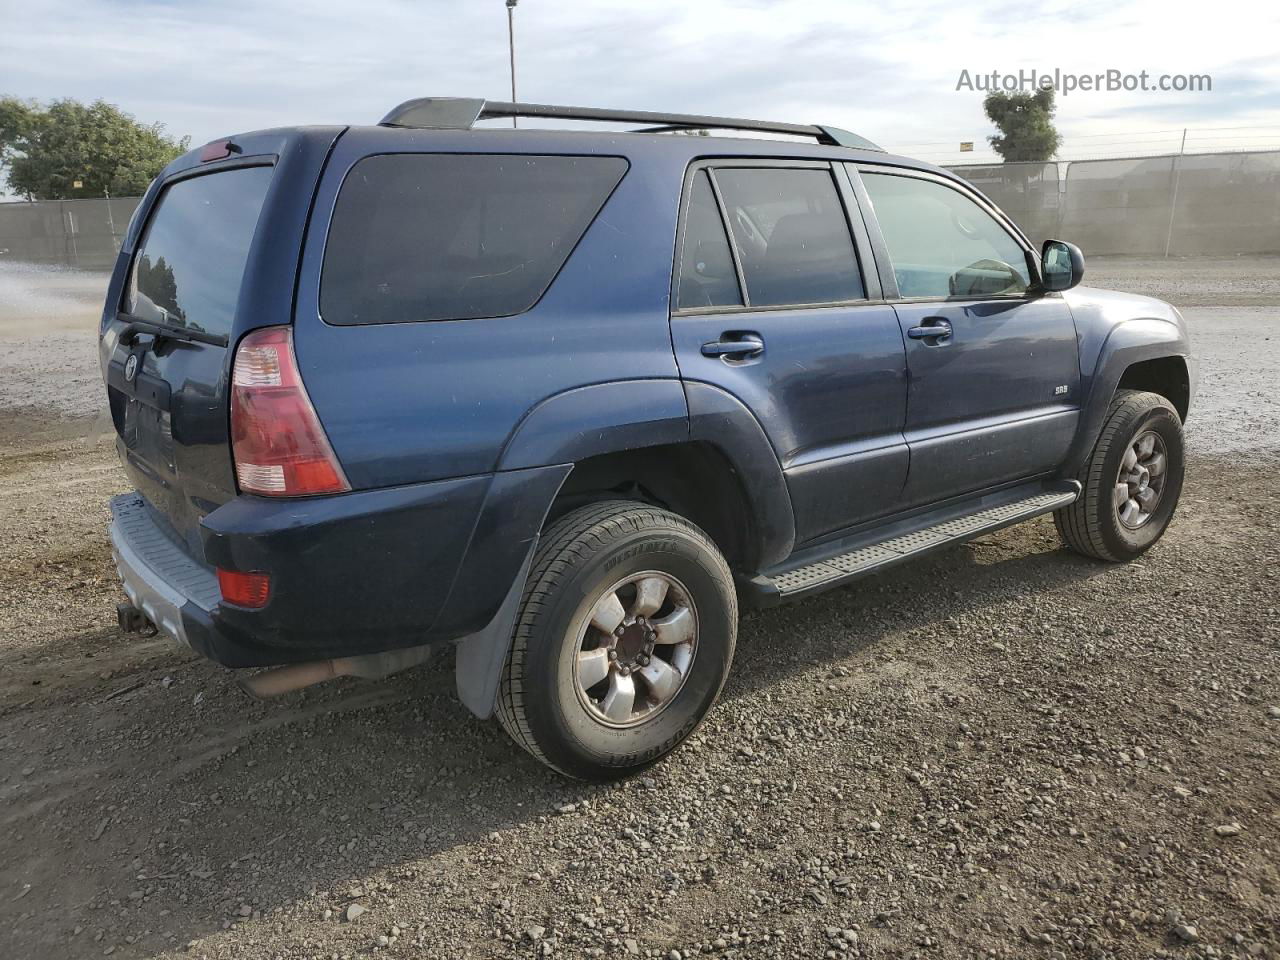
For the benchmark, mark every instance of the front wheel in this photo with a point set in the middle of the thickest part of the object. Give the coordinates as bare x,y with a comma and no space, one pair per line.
624,639
1131,483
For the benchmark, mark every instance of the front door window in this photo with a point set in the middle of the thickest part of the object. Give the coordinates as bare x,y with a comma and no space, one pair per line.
943,244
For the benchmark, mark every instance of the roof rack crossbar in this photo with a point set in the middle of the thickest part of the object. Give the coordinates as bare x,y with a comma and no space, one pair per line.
462,113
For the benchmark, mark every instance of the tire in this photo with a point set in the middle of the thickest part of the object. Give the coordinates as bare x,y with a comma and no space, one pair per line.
1099,524
550,701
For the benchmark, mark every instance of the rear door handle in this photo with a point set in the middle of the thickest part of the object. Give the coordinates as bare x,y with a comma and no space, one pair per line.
743,346
934,329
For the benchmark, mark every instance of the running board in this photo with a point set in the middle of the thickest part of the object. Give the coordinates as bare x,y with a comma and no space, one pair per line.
871,556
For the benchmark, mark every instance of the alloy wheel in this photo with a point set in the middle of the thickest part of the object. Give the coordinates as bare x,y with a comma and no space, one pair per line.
635,651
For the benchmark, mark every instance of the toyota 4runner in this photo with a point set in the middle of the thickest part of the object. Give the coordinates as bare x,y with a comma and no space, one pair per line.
565,399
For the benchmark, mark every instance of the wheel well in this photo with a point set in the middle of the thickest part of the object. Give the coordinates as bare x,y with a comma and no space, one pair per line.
1166,376
692,479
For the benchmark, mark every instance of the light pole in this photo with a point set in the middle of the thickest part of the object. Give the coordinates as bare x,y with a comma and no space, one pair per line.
511,46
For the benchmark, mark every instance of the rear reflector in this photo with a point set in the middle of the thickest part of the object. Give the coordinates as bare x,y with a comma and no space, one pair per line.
279,446
251,590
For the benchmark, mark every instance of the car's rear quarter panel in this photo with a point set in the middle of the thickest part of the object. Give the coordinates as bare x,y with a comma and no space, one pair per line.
415,401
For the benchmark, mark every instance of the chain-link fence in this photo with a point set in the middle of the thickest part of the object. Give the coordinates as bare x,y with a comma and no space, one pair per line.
75,233
1209,204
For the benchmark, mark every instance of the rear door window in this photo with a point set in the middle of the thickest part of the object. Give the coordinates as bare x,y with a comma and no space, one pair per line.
456,236
791,234
188,268
707,275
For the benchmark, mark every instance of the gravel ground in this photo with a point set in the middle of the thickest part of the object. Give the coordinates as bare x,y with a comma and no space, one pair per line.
1041,757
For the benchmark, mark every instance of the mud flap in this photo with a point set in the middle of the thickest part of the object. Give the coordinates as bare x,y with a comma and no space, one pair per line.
480,657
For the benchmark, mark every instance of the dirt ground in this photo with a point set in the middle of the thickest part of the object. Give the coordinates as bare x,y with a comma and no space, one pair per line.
1038,756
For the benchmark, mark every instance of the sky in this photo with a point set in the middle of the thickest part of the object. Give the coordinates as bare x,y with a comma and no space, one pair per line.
886,71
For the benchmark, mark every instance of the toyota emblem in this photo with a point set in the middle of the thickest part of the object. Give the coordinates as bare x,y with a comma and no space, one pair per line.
131,368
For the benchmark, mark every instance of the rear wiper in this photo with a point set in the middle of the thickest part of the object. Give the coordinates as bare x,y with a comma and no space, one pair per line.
162,331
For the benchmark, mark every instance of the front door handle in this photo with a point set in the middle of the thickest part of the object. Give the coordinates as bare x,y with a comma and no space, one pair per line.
935,329
742,346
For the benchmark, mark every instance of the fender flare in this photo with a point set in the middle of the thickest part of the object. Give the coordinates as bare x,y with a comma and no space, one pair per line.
1147,338
535,461
600,418
721,420
538,458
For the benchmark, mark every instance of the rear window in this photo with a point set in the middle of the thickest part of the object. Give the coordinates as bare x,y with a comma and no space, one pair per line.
188,268
456,236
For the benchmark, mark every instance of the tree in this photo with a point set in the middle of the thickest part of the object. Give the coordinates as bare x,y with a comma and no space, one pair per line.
47,149
1025,121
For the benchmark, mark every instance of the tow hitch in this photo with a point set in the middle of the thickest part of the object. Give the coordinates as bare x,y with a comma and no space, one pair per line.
133,620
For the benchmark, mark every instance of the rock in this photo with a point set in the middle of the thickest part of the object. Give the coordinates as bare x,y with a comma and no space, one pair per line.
675,955
245,910
1186,932
632,946
355,911
535,933
1273,711
1228,829
567,808
384,941
1182,792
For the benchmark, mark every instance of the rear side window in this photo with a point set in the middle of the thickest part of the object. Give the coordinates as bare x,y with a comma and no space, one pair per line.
188,268
707,276
791,233
943,244
456,236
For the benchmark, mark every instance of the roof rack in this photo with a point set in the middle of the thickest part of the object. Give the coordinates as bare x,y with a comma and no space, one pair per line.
461,113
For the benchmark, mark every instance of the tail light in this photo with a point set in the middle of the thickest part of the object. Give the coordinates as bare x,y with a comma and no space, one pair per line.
277,441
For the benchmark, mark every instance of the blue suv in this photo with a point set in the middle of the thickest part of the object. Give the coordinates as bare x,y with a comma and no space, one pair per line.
565,400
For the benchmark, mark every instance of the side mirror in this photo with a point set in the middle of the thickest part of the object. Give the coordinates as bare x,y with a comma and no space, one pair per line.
1061,265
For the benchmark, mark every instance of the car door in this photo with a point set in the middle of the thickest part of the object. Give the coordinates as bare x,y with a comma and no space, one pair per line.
993,368
778,311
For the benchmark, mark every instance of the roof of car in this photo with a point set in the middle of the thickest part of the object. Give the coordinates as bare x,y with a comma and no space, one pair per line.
462,113
632,144
450,123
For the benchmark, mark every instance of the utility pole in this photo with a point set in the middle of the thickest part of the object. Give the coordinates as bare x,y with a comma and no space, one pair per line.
511,46
111,221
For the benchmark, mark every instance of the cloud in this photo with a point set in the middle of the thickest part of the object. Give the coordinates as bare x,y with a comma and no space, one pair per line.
888,72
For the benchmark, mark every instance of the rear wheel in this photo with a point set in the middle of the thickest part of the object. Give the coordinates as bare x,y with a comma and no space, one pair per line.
624,639
1131,482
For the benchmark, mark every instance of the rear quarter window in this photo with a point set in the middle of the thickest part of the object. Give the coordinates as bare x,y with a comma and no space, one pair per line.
456,236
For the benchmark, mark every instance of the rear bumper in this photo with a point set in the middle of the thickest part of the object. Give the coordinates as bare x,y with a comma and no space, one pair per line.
352,574
158,577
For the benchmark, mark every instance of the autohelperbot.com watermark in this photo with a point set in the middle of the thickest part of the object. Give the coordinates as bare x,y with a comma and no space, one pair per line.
1065,82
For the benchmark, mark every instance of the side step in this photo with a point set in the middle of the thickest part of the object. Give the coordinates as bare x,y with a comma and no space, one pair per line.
871,556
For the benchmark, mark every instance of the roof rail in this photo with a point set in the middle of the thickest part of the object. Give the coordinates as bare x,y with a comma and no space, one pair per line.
461,113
